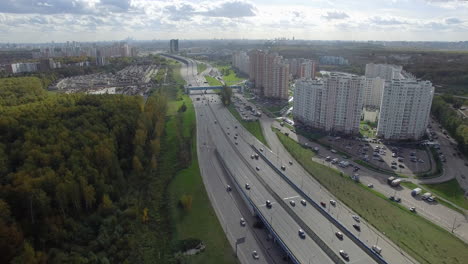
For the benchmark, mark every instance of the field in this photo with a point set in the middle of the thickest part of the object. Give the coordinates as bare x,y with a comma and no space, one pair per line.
229,75
423,240
213,81
253,127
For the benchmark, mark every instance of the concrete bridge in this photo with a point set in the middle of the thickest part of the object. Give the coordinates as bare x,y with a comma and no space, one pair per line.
204,88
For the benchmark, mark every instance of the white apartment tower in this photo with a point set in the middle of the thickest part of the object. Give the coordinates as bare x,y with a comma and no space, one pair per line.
384,71
373,89
405,109
333,104
240,60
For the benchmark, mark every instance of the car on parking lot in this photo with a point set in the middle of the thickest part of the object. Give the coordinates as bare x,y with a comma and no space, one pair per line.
333,202
228,188
256,156
401,166
247,186
268,204
323,204
392,198
292,203
261,149
242,221
344,254
303,202
339,235
252,156
255,254
357,227
257,168
290,162
301,233
370,185
397,199
413,209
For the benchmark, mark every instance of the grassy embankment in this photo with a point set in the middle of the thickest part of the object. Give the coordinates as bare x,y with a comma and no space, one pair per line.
201,67
212,81
423,240
253,127
200,220
229,75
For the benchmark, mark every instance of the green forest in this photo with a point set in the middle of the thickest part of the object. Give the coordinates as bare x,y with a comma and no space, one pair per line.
74,171
457,127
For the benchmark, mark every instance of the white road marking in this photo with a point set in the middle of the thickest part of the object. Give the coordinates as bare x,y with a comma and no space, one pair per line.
292,197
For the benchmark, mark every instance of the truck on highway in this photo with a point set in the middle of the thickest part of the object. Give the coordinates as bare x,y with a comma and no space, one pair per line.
416,191
426,195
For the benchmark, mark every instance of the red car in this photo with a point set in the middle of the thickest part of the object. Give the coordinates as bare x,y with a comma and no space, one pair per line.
323,204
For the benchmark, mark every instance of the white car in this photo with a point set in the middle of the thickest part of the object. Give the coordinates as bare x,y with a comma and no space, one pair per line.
301,233
255,254
242,221
333,202
292,203
303,202
356,218
344,254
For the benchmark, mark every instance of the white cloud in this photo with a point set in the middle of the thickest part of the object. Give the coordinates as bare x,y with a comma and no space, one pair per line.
335,15
148,19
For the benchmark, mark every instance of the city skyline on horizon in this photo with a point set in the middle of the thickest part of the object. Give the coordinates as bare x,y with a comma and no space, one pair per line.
35,21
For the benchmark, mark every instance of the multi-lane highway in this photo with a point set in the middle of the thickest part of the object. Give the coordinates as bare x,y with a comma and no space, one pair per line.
216,132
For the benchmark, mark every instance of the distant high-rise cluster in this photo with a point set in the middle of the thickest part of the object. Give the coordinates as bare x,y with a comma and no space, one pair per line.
76,49
302,68
174,45
241,61
335,102
270,72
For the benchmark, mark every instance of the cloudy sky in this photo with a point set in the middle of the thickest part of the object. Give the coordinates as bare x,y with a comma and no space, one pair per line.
94,20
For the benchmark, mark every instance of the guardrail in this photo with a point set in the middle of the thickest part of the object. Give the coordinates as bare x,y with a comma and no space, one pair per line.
345,230
256,210
330,253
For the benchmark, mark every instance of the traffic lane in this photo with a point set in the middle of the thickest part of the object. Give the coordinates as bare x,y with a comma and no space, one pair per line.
281,222
368,234
314,219
229,216
227,210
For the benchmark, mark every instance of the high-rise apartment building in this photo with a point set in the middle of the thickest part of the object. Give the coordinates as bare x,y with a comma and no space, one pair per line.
405,109
333,104
270,74
373,90
302,68
241,61
174,45
384,71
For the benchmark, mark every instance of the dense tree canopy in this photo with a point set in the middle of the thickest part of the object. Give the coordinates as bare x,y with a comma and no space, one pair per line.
67,166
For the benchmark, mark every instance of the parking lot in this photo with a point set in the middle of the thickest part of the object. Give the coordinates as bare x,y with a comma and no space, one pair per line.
247,110
400,159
